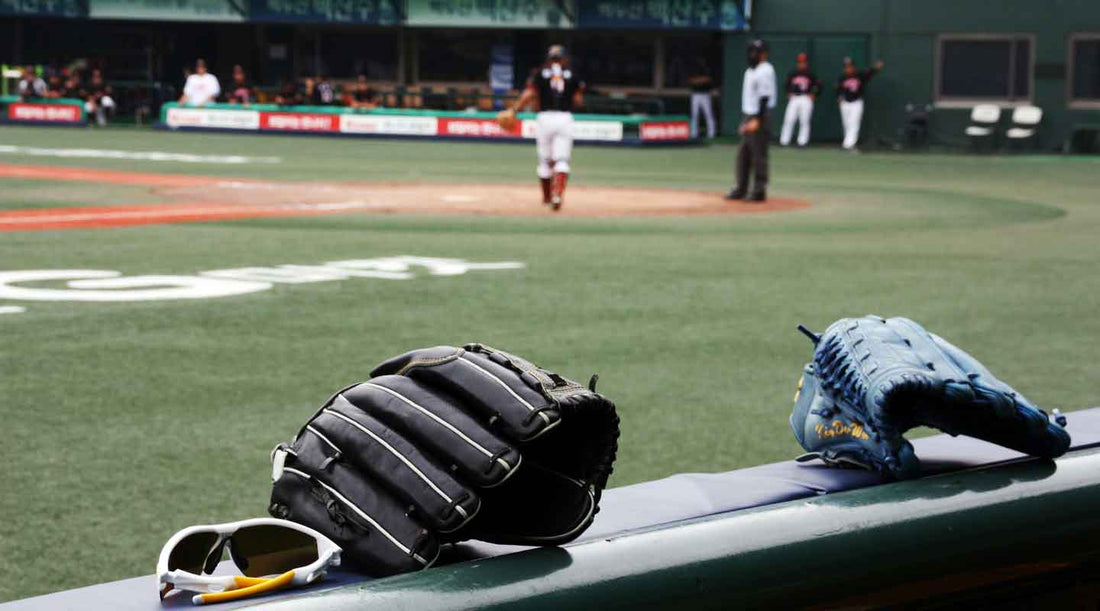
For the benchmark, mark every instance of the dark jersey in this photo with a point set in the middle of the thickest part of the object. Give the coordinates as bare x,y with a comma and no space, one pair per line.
76,93
556,87
365,95
803,83
701,82
850,88
241,93
323,94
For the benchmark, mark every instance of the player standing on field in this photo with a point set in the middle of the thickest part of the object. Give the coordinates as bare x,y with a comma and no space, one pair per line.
558,91
701,85
803,87
849,89
758,93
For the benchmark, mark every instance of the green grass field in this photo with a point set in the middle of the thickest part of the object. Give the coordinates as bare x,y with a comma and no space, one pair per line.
127,421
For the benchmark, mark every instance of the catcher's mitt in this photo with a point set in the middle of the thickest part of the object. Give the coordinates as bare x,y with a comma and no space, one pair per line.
445,444
507,120
872,379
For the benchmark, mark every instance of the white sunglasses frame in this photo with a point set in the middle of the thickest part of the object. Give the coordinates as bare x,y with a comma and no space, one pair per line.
217,587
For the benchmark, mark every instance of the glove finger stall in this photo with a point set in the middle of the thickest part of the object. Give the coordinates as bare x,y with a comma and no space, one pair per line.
506,391
383,455
435,422
356,513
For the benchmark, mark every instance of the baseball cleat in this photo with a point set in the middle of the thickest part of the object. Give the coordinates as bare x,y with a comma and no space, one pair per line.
757,197
555,203
735,194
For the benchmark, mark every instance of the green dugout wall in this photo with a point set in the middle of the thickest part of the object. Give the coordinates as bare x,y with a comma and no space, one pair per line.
904,34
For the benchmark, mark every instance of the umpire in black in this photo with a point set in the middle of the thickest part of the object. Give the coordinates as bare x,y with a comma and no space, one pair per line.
758,96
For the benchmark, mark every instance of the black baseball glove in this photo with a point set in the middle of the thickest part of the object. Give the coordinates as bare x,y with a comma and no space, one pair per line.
446,444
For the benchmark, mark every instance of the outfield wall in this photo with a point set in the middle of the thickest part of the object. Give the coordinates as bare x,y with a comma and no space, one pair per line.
606,129
904,34
52,112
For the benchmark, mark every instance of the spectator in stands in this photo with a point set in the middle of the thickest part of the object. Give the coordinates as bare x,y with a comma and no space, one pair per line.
55,85
31,86
362,96
323,93
241,92
99,100
201,87
73,89
289,94
308,85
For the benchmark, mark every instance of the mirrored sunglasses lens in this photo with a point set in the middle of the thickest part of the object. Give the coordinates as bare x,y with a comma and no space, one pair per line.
268,549
191,552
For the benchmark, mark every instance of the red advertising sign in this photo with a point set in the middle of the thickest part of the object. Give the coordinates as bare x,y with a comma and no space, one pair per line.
299,122
52,113
669,130
476,128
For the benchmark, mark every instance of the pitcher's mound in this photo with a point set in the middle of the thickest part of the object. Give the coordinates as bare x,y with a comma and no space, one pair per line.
482,199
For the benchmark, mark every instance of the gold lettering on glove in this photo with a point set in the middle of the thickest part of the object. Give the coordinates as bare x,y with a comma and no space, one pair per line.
840,429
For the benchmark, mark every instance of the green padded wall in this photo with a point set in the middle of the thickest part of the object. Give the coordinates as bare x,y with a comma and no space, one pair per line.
903,34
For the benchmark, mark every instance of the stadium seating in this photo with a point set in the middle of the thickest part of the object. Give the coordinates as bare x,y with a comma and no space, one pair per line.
1025,123
984,119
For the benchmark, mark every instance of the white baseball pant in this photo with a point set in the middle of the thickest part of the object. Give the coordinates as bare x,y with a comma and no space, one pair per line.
554,142
799,110
701,103
851,115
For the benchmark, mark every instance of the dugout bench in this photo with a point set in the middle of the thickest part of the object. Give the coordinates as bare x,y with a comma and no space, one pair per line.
984,526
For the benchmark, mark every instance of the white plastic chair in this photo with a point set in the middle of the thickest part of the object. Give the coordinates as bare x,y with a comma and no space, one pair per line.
984,118
1025,122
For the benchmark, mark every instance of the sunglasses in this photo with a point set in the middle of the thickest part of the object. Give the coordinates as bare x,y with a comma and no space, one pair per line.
272,554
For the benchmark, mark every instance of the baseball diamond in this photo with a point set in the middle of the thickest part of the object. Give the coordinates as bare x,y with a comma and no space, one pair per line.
549,305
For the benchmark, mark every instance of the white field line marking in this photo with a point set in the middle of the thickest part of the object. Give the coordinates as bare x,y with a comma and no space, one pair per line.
12,309
34,151
176,211
267,186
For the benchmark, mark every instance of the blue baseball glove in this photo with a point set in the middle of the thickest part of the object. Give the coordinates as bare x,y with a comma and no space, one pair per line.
872,379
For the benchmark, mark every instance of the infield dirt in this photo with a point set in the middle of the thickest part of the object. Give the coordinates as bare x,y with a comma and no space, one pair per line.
198,198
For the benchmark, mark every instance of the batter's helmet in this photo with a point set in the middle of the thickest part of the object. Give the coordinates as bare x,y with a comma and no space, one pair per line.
555,52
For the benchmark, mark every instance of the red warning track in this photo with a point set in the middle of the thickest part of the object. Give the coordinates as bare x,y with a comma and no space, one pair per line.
42,219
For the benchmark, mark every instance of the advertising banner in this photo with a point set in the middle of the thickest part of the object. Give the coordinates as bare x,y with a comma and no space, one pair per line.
490,13
45,113
665,130
210,118
45,8
299,122
501,72
603,131
421,124
592,131
475,128
169,10
374,12
389,125
657,14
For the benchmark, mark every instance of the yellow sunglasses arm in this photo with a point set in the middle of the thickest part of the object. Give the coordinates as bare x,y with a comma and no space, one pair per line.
246,586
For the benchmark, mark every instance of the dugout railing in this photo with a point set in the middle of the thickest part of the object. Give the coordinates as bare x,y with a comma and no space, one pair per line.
984,528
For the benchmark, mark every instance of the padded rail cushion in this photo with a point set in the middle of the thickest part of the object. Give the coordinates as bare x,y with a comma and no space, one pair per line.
642,506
